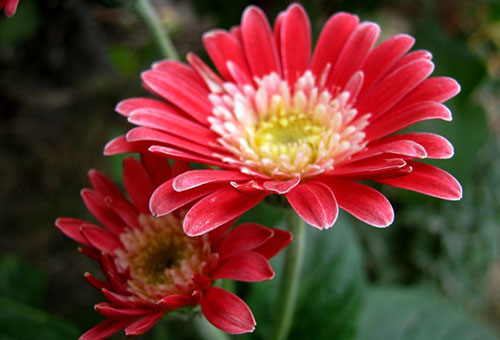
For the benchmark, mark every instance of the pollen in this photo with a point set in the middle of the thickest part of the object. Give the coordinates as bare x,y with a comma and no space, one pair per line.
281,131
159,258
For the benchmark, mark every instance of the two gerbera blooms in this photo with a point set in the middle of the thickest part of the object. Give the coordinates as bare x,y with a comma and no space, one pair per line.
274,120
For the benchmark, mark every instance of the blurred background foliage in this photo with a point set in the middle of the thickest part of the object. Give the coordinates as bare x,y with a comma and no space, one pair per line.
434,274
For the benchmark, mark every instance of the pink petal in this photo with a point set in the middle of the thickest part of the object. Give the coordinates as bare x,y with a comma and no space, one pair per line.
175,89
104,185
185,156
401,118
354,86
165,199
128,213
101,238
295,42
96,204
354,53
213,82
428,180
332,39
127,106
181,72
227,312
137,183
437,89
281,187
273,246
195,178
411,57
217,209
120,145
143,325
278,24
222,48
435,146
368,167
395,86
315,203
258,42
384,56
399,148
247,266
242,238
105,329
363,202
71,228
158,168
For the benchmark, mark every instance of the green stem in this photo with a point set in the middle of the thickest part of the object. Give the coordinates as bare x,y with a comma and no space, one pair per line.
207,331
147,12
289,285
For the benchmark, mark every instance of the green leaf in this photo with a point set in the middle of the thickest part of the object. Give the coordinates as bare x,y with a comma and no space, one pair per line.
331,288
22,322
418,313
21,282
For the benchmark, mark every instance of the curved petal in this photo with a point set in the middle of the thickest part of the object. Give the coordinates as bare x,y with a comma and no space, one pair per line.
137,183
435,146
315,203
246,266
165,199
96,204
105,329
120,145
195,178
127,106
437,89
110,311
172,302
185,156
243,238
394,148
295,41
217,209
103,184
429,180
363,202
368,167
258,42
227,312
281,187
71,228
143,325
157,167
101,238
280,239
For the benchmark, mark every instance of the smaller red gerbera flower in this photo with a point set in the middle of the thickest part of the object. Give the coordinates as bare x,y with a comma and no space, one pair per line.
152,267
9,6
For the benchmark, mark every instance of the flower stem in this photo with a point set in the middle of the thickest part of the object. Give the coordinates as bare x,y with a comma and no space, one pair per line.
207,331
289,285
147,12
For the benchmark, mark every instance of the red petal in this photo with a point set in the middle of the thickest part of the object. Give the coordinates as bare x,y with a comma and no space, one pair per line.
411,57
185,156
258,42
243,238
395,86
111,311
332,39
105,329
120,145
437,89
71,228
281,187
165,199
213,82
399,148
158,167
227,312
127,106
172,302
273,246
196,178
130,217
354,53
143,325
96,204
103,184
95,282
101,238
222,48
217,209
368,167
428,180
295,43
246,266
315,203
182,93
384,56
435,145
124,300
363,202
401,118
137,183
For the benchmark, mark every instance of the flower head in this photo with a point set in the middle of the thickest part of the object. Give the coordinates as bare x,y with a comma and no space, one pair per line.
9,6
278,119
152,267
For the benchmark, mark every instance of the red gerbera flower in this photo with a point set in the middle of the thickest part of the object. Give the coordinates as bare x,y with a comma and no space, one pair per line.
280,121
9,6
152,267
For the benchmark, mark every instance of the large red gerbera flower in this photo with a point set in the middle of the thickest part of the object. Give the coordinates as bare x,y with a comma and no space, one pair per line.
9,6
152,267
281,121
